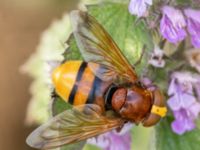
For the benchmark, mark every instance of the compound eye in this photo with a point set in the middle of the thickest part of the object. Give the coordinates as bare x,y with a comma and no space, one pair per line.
133,96
118,99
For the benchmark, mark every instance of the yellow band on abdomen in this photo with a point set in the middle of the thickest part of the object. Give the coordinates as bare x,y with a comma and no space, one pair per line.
84,86
64,78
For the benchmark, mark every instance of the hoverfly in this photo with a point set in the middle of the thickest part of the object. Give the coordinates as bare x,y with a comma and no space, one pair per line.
104,90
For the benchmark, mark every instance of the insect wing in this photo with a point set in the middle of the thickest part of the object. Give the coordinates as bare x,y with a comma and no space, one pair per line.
97,46
73,125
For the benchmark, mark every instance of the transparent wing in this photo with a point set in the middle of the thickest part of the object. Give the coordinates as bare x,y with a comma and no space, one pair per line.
97,46
73,125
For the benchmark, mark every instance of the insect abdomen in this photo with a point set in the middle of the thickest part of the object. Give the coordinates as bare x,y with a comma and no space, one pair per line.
75,82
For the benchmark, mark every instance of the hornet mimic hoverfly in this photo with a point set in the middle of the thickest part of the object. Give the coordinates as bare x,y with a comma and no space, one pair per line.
104,90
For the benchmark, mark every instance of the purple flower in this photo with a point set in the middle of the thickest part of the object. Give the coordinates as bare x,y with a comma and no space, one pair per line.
157,58
139,7
172,24
113,140
182,123
193,26
183,101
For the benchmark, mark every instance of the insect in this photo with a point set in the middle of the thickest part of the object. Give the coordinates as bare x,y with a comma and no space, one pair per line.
104,89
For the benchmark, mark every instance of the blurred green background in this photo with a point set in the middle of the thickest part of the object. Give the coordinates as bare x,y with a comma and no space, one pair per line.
21,23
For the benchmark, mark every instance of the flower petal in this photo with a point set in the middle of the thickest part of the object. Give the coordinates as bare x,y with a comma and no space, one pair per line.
194,110
107,141
139,7
178,127
182,123
120,142
172,87
183,101
193,25
101,141
175,15
193,14
186,100
172,24
149,2
174,103
189,125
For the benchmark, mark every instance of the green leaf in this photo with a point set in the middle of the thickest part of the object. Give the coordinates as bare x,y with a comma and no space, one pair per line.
59,105
167,140
72,52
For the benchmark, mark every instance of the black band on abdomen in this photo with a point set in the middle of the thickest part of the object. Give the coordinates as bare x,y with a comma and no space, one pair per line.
78,79
95,88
